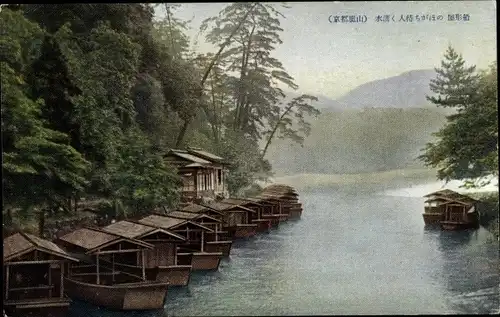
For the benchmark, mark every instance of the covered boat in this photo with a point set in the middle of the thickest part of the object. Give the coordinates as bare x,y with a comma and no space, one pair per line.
161,262
33,286
193,249
108,274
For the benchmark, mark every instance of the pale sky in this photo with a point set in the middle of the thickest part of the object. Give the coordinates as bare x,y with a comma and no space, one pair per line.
332,58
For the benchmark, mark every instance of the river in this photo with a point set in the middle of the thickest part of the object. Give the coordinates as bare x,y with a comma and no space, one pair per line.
351,253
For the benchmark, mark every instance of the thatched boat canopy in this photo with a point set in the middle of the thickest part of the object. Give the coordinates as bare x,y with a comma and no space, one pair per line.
92,240
195,208
135,230
242,201
191,216
20,244
450,196
169,223
226,207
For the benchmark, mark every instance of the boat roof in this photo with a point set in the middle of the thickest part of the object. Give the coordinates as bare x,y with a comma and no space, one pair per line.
450,196
166,222
222,206
190,215
136,230
241,201
91,239
21,243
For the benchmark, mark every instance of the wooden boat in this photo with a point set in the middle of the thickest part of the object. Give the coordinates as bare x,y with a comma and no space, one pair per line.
108,276
275,210
161,262
223,235
263,225
30,285
193,249
213,243
236,219
450,210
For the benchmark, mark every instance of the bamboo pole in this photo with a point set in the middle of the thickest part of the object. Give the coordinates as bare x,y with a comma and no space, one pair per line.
61,280
113,267
216,232
175,254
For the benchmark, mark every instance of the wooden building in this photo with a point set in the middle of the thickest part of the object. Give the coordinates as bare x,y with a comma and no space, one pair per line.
213,242
237,219
31,285
161,262
450,210
193,249
113,273
203,174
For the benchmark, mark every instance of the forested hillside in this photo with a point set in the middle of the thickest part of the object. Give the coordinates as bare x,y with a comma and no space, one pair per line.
356,141
94,94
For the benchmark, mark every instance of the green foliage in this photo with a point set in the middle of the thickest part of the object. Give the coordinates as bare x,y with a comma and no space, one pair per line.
467,146
39,166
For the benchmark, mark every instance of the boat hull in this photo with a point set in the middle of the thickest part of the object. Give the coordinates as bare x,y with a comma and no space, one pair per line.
275,219
174,275
127,296
47,307
432,218
201,261
219,246
263,225
244,231
456,225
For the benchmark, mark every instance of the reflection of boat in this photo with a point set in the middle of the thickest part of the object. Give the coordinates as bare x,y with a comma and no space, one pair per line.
450,210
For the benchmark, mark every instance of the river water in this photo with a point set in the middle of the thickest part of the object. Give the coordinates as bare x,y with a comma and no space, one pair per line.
351,253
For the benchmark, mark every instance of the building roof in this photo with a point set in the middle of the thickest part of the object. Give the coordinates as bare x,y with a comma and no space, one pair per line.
205,155
135,230
189,157
166,222
91,239
21,243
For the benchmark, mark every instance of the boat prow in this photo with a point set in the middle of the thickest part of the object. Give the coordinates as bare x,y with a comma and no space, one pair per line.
126,296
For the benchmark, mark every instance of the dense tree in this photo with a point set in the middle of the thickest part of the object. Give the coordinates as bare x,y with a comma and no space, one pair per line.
467,146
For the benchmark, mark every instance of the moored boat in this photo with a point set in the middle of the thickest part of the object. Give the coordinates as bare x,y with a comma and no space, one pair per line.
161,262
193,249
30,286
109,276
236,219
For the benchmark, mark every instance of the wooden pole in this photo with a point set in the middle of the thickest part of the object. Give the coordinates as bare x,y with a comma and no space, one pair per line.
50,281
98,280
113,267
61,280
202,240
7,277
143,252
216,232
175,254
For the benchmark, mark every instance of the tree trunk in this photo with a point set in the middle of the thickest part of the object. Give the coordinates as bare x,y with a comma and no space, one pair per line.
184,127
274,131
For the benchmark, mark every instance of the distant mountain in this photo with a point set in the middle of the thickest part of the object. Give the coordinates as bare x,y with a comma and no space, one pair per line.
407,90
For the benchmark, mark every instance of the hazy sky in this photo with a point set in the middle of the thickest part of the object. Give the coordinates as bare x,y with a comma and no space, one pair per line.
332,58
